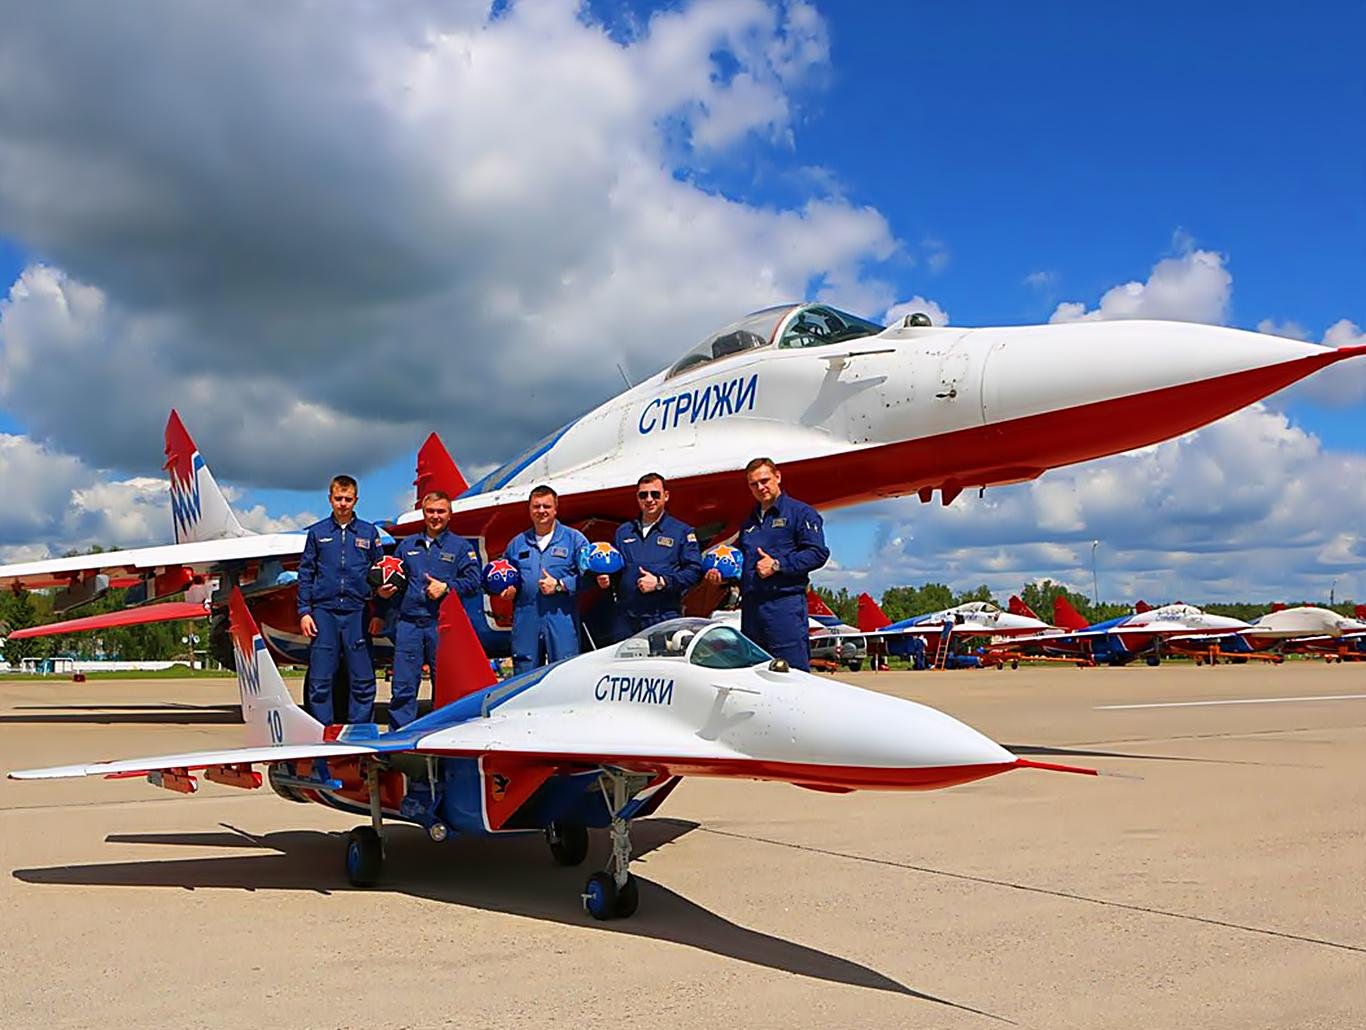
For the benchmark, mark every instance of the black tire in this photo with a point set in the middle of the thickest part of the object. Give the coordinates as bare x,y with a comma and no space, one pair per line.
568,842
1014,665
628,898
364,856
600,896
855,666
1154,661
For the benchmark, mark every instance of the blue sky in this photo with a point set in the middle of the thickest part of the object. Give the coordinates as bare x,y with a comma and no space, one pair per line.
1017,157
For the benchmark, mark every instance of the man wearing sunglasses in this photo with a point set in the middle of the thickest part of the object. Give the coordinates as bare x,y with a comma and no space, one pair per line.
662,561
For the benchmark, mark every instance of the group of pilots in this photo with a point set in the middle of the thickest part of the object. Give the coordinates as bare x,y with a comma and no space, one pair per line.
781,543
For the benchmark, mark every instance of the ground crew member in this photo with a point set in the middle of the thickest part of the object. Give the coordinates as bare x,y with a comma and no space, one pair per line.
333,594
545,625
662,561
435,562
782,542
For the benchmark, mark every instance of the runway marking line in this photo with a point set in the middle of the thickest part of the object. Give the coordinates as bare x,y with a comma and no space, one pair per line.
1235,701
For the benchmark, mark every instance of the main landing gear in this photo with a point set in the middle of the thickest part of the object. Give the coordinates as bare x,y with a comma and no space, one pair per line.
365,844
614,892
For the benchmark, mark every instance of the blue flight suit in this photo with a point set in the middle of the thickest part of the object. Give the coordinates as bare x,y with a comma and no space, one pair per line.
773,610
450,559
333,589
669,550
545,624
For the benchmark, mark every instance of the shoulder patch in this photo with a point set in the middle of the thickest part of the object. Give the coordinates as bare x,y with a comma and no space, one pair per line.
692,538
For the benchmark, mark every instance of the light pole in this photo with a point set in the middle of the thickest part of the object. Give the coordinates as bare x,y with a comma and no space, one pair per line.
1095,577
1332,594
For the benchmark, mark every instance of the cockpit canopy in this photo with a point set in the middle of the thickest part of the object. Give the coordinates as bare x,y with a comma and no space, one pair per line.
701,642
790,325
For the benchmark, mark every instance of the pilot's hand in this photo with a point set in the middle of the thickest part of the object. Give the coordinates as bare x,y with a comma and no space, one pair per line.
309,627
605,581
648,581
765,566
387,591
548,583
435,588
713,577
509,593
376,626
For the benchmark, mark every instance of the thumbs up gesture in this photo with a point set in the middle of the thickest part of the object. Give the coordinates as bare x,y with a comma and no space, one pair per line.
435,588
648,581
548,583
765,566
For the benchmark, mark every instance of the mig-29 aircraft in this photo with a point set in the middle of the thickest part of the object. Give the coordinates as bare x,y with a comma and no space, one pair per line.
593,741
850,409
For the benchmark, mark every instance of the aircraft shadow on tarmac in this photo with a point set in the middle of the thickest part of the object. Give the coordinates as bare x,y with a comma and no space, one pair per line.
512,875
153,713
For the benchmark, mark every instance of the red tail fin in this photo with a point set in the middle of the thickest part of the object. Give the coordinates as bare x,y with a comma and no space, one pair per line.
1361,612
461,665
1142,606
815,605
436,470
870,616
1278,607
1018,607
1065,615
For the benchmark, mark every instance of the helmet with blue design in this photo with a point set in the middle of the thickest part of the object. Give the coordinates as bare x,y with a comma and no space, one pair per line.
500,574
725,559
600,559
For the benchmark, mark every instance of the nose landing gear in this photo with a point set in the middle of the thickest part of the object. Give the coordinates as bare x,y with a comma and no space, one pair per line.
614,893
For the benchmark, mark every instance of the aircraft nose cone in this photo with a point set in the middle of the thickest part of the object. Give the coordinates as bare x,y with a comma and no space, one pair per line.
1096,388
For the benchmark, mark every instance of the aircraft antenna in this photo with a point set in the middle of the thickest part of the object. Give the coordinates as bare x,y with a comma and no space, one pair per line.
629,385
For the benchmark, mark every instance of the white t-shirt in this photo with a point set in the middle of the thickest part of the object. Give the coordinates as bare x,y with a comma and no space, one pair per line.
542,542
645,528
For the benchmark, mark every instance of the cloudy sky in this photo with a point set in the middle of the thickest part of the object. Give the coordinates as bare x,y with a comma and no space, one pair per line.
322,231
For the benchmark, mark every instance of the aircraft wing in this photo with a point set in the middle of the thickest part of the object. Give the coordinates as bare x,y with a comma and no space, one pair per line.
201,555
172,611
191,760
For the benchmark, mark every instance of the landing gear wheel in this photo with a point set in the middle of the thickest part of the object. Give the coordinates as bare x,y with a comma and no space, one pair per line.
600,896
1014,665
568,842
364,857
628,897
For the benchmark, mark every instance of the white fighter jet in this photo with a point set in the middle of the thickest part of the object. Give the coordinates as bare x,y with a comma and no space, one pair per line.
852,410
593,741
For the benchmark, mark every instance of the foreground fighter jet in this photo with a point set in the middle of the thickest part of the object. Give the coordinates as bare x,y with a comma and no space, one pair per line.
852,410
594,741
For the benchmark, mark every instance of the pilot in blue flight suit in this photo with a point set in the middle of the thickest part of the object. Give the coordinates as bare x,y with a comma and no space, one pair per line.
333,594
436,562
782,542
545,624
661,561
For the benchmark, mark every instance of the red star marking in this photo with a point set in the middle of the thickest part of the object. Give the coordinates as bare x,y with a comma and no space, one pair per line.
389,567
502,565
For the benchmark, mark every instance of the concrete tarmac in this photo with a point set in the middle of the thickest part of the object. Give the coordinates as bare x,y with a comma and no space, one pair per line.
1218,881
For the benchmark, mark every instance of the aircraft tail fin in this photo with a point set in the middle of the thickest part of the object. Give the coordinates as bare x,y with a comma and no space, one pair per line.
1142,606
199,510
270,713
1065,615
1278,606
816,606
461,665
870,615
436,470
1360,611
1018,607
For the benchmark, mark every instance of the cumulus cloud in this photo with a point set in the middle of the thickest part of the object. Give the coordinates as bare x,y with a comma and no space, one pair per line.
1193,287
54,502
1250,507
327,232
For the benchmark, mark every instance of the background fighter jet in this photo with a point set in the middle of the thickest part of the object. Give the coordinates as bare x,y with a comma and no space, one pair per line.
851,410
594,741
